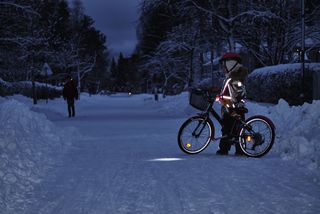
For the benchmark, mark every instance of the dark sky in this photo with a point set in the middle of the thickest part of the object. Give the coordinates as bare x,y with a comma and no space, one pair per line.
117,19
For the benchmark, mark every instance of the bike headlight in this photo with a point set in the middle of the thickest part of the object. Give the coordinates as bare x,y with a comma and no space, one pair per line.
248,138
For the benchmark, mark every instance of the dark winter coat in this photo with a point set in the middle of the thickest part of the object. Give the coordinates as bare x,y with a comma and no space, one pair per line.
238,74
70,90
233,90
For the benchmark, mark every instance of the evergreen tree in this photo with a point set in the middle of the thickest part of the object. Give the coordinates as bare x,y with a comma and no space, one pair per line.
122,69
113,68
77,12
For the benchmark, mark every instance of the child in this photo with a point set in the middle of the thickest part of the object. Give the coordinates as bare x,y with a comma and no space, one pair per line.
231,98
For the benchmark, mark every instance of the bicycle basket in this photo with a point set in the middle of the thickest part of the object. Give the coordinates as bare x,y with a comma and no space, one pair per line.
198,100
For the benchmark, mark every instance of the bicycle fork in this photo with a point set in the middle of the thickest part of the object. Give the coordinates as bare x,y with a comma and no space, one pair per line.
200,127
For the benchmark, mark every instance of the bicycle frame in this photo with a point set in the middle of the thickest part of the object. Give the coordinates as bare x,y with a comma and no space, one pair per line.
211,111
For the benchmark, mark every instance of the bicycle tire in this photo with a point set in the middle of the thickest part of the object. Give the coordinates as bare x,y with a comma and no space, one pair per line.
269,124
183,145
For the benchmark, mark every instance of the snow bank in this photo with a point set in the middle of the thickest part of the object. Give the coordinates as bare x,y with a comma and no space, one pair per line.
297,130
297,127
29,144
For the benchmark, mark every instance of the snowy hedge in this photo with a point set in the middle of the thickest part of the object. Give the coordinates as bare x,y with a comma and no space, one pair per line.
25,88
269,84
28,145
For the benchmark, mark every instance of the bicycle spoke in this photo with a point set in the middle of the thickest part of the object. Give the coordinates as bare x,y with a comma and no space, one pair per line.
195,136
261,140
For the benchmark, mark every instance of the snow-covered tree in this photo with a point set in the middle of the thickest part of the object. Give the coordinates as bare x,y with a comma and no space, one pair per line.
49,31
267,32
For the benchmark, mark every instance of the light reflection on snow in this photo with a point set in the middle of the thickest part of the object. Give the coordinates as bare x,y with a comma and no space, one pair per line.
166,159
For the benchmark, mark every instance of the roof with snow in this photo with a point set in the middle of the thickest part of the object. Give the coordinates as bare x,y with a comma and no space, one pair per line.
310,42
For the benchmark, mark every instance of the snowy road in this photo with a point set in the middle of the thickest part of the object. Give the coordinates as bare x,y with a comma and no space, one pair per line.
118,167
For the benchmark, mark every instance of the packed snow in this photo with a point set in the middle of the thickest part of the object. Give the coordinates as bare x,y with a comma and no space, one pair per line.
120,155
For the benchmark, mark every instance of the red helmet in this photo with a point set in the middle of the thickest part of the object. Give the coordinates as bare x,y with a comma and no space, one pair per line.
230,56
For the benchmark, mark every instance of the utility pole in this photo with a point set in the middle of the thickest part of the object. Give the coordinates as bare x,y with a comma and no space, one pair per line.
47,90
211,66
302,45
34,88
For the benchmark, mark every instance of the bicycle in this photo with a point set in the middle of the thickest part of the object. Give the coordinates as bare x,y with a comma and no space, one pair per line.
255,135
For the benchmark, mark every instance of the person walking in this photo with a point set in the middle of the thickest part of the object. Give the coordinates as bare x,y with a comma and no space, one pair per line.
70,93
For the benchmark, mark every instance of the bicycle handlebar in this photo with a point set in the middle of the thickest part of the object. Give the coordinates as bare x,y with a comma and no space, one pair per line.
210,95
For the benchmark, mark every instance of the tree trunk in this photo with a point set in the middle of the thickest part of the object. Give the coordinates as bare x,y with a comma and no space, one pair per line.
34,92
211,66
79,82
231,43
201,65
164,87
191,74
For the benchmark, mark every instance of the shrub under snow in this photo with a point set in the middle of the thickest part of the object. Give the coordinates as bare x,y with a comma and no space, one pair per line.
25,88
269,84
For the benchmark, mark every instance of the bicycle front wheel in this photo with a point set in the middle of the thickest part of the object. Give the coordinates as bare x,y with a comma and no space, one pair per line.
256,138
195,134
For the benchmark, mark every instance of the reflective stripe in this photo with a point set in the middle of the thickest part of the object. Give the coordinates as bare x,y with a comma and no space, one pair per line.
230,91
226,97
225,85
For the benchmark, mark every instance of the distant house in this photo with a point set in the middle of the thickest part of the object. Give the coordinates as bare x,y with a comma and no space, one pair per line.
312,49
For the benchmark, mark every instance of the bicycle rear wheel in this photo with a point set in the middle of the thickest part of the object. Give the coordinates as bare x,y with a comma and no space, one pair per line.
256,138
195,134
